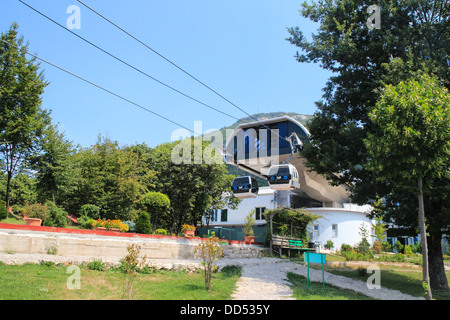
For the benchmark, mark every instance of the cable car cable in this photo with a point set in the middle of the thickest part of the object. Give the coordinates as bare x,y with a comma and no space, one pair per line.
176,66
101,88
126,63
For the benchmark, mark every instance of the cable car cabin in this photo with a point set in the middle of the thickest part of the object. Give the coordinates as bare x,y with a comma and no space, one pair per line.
245,187
283,177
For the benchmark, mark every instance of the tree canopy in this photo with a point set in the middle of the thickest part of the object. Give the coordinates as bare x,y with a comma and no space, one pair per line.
411,149
22,120
414,36
39,163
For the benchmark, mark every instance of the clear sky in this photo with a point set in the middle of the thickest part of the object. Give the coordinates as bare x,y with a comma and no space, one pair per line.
237,47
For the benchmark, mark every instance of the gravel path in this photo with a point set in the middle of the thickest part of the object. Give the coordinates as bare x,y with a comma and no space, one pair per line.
262,278
265,279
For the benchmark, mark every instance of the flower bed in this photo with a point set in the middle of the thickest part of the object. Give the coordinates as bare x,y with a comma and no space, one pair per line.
113,225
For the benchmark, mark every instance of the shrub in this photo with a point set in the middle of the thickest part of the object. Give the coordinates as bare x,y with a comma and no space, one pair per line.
398,246
209,250
81,221
355,255
387,247
346,247
18,209
232,270
89,224
408,251
349,255
329,245
417,247
143,224
364,246
90,211
162,232
377,247
3,210
398,257
57,216
98,265
132,264
131,225
157,203
249,221
37,211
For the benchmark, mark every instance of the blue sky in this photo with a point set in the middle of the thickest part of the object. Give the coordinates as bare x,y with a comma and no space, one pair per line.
236,47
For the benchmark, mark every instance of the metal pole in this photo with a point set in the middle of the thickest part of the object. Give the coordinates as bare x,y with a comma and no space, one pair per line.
323,270
271,234
307,279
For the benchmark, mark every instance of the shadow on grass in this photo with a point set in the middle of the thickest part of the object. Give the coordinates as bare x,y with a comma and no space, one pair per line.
317,292
193,287
405,282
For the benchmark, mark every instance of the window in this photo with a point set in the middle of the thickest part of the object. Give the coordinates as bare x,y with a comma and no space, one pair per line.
259,213
224,215
316,231
334,230
214,216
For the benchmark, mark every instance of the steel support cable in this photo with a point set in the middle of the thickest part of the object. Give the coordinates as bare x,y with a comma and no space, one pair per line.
126,63
102,88
176,66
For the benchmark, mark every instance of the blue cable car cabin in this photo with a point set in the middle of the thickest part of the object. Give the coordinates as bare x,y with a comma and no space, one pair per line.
245,187
283,177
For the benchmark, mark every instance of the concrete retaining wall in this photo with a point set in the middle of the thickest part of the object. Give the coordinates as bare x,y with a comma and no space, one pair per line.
39,242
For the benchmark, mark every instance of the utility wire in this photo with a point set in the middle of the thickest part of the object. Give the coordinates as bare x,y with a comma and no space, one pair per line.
175,65
102,88
126,63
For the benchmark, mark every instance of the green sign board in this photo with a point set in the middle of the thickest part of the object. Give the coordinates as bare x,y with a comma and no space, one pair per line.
312,257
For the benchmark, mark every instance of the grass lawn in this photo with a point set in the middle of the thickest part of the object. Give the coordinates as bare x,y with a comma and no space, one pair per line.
402,278
317,292
406,281
12,221
49,282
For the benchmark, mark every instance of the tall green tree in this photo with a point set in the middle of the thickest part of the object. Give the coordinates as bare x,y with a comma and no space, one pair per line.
362,61
109,178
22,119
193,188
356,55
54,173
411,147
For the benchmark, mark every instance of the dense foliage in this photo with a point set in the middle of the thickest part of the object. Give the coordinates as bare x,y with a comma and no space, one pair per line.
413,38
290,222
104,181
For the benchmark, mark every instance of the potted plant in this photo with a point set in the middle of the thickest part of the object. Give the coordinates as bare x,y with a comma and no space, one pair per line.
35,214
249,221
188,231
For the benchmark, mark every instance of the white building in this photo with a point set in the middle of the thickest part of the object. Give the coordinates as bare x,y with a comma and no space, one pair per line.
338,224
256,147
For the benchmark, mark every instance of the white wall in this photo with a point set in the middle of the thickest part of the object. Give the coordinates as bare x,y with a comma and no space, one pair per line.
236,217
348,220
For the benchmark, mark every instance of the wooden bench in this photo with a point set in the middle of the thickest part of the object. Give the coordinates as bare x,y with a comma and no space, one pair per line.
280,243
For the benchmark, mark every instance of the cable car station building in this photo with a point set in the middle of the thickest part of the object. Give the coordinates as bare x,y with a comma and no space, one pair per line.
269,149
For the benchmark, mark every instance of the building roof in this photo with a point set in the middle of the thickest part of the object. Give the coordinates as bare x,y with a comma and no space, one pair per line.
254,149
